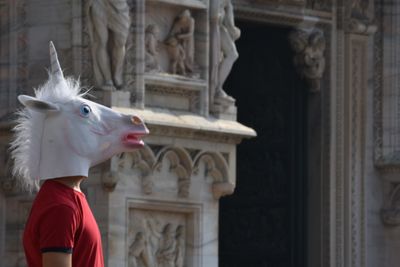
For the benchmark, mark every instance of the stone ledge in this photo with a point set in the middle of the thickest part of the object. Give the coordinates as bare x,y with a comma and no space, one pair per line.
191,125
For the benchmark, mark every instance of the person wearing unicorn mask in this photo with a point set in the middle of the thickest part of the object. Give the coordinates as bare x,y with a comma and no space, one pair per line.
59,135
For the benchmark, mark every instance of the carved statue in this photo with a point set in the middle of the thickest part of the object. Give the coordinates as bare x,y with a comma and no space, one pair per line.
309,60
182,32
167,247
109,24
151,43
180,246
169,244
223,36
177,56
139,255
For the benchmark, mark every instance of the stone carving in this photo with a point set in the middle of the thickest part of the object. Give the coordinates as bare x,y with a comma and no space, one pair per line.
170,248
165,254
110,179
180,164
143,160
224,33
109,23
180,44
139,254
309,46
180,246
176,55
217,169
359,20
151,43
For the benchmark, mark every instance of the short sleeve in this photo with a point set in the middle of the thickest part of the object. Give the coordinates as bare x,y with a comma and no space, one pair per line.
57,229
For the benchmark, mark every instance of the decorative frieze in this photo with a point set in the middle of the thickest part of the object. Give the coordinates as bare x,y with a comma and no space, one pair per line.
171,161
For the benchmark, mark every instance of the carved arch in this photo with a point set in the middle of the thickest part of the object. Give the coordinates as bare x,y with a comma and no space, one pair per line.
143,160
217,168
181,165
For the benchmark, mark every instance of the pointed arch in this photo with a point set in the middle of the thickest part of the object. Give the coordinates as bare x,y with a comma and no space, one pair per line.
181,165
217,169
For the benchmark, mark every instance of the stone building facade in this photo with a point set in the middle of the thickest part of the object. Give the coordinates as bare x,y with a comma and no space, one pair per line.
317,81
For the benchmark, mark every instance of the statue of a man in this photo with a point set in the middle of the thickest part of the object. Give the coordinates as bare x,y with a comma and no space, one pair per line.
109,24
224,53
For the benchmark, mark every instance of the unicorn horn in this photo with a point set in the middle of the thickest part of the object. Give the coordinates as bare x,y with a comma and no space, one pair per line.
55,68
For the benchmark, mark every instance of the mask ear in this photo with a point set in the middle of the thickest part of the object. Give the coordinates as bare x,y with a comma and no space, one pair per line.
37,105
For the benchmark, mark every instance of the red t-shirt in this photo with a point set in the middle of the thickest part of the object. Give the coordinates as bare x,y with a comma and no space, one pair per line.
61,221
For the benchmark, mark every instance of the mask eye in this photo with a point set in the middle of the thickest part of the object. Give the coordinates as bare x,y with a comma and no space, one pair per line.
85,111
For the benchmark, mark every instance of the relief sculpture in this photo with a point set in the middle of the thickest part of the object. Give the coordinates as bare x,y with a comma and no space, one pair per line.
309,46
151,44
180,44
109,23
139,255
158,244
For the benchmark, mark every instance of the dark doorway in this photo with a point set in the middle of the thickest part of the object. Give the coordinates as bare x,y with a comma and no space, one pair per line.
264,222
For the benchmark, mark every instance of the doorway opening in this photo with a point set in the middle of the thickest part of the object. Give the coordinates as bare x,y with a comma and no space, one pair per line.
264,222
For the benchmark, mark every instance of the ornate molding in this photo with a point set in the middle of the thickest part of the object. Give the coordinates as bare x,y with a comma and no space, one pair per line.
182,164
309,46
358,19
143,160
279,15
217,169
354,103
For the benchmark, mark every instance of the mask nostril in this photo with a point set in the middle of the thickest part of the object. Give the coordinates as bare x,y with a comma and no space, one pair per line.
136,120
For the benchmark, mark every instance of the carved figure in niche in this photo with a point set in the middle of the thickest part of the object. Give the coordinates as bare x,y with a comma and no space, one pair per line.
139,255
309,60
180,246
167,247
182,32
169,244
109,24
151,43
177,56
223,36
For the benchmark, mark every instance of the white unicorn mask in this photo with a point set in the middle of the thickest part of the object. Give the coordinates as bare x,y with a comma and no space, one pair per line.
60,133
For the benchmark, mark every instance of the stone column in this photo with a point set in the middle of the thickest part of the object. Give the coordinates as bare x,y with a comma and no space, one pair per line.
357,40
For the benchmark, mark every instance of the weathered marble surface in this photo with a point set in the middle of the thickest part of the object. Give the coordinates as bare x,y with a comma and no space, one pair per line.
152,183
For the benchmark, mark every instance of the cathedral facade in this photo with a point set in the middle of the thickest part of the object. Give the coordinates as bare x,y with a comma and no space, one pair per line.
274,127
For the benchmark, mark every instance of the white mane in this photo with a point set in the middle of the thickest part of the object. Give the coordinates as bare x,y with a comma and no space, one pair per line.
25,148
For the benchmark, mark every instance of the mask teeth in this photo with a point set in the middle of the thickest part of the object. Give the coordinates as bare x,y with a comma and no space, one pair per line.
55,68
